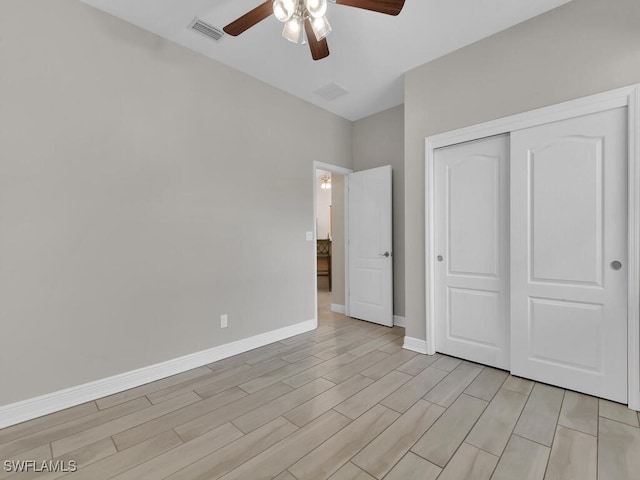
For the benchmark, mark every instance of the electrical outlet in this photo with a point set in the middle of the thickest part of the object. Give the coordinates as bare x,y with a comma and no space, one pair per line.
223,320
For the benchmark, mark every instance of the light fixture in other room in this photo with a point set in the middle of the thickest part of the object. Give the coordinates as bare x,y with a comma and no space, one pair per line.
326,183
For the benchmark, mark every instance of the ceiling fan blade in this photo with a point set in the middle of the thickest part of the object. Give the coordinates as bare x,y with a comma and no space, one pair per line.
390,7
249,19
319,49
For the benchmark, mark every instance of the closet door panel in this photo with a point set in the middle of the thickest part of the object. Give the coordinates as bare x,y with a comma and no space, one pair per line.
568,227
472,247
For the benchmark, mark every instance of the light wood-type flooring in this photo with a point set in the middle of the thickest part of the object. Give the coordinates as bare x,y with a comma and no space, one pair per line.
344,402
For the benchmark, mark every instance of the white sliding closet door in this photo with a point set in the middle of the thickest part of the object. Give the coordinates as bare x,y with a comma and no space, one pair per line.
569,254
472,250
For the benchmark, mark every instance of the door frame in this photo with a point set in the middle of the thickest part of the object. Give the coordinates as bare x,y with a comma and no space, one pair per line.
345,172
622,97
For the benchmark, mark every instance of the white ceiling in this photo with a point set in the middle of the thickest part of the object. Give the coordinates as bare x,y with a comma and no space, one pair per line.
370,51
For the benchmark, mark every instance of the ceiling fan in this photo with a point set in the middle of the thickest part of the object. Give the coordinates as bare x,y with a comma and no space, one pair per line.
293,13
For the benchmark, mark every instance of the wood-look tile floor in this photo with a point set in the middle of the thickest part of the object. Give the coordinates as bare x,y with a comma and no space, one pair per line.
344,402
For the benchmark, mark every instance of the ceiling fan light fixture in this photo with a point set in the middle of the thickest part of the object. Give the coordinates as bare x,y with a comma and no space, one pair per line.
321,27
316,8
311,13
292,29
284,9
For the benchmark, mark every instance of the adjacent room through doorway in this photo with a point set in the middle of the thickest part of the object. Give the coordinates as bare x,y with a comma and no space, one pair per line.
330,240
324,220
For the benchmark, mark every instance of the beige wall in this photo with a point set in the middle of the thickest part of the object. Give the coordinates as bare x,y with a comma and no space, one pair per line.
379,140
144,191
581,48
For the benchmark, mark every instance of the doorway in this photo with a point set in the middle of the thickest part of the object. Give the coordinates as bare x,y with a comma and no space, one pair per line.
330,223
324,227
364,200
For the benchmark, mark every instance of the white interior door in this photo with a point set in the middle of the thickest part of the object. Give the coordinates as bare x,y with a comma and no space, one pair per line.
370,246
569,252
472,250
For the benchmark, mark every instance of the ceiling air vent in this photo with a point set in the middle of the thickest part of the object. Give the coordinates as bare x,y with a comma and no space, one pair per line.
206,29
331,91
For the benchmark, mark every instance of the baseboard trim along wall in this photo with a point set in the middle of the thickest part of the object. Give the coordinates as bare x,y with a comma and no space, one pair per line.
338,308
22,411
415,345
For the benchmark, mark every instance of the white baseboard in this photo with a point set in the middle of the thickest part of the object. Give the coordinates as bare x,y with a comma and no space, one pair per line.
22,411
337,308
399,321
415,345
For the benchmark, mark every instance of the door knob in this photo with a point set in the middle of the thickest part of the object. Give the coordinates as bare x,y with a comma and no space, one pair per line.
439,258
385,254
616,265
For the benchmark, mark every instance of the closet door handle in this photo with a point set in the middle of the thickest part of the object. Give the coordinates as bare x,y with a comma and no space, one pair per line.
616,265
439,257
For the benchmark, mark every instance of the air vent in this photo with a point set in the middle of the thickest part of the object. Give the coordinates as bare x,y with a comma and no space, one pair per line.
206,29
331,91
